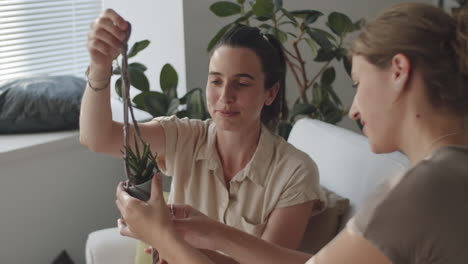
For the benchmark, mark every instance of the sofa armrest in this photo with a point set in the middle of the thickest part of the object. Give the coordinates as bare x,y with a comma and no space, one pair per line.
107,246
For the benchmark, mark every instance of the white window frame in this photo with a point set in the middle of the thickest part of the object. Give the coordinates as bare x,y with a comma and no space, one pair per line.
45,37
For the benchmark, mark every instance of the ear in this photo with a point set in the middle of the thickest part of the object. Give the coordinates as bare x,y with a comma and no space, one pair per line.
271,93
401,71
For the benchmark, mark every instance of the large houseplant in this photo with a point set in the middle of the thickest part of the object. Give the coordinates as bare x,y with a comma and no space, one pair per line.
156,103
300,38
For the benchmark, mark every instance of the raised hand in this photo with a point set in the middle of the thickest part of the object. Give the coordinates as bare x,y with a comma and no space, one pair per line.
105,39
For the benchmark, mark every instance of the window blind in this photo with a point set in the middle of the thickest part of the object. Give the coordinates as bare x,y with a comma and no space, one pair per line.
48,37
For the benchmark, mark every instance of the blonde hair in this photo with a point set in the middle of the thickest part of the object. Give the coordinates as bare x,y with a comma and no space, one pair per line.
434,41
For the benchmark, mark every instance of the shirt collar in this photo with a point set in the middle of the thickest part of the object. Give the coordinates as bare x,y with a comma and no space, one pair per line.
256,168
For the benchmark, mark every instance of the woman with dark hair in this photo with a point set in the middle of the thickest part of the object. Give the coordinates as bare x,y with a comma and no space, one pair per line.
410,68
231,167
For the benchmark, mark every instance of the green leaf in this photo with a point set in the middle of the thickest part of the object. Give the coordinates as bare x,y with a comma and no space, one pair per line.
278,5
173,106
243,18
312,46
320,38
168,80
291,34
280,35
358,24
328,76
347,65
218,36
182,114
268,27
116,70
324,55
263,8
287,22
303,109
139,103
333,116
138,79
340,23
262,18
118,87
137,149
309,16
325,33
336,99
138,66
184,98
137,47
284,129
225,8
316,94
196,105
156,103
289,16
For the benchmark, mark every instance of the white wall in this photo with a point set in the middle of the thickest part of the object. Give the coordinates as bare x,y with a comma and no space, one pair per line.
161,22
51,197
200,25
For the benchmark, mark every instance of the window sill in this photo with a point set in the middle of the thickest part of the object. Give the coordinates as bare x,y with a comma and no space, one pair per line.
13,142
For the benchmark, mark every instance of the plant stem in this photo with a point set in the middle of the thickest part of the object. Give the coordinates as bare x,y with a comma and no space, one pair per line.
303,85
314,79
290,53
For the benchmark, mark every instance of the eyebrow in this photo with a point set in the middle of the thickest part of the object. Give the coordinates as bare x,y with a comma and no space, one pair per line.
246,75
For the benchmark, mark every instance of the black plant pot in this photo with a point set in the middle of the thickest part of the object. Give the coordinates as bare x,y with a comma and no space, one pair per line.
140,191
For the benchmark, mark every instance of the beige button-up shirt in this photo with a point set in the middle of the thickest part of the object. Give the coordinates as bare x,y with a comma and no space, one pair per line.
278,175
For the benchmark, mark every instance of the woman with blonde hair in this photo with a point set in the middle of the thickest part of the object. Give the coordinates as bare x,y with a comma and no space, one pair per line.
410,68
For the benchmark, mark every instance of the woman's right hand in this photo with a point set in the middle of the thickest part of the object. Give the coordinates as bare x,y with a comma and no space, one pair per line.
105,39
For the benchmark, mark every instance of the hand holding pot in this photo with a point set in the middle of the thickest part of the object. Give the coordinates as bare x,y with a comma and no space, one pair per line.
149,221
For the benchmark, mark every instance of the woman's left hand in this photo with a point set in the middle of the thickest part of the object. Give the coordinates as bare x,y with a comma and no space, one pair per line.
149,221
197,229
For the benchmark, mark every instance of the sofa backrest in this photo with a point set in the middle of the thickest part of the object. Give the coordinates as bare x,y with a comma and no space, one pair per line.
346,164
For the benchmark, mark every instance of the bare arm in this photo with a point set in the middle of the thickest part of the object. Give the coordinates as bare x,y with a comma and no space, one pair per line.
97,130
204,232
246,248
350,248
286,226
347,247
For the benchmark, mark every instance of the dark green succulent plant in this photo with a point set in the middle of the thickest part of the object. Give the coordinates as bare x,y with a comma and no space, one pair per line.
142,165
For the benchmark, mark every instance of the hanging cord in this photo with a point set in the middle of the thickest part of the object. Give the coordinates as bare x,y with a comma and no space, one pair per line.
126,100
127,107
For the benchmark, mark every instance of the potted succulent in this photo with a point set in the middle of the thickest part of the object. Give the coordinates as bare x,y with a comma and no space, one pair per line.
140,166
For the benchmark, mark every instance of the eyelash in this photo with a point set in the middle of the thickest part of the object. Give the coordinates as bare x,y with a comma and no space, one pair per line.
216,82
355,85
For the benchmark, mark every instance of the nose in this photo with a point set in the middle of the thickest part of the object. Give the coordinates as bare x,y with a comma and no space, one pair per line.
354,112
227,94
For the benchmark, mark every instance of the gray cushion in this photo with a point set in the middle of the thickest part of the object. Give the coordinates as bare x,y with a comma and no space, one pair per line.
40,104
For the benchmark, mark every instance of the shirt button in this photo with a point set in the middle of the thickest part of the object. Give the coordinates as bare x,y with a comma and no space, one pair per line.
232,197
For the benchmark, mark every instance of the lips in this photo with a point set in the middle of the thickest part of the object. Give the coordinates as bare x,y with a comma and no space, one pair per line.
227,113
